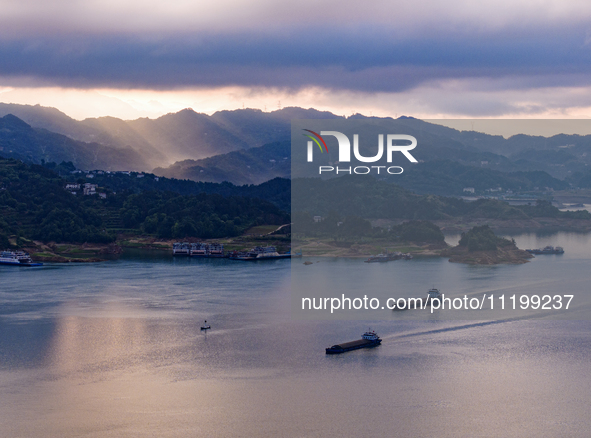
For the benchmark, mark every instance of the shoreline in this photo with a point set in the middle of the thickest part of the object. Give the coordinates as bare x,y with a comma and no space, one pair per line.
53,252
311,247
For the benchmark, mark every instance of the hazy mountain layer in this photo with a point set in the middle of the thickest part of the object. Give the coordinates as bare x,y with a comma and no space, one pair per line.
188,142
185,135
251,166
20,140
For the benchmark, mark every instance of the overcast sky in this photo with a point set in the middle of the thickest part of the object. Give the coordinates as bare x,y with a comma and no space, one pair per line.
429,59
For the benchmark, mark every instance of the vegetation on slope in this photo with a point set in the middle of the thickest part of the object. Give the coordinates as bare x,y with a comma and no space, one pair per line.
369,198
35,205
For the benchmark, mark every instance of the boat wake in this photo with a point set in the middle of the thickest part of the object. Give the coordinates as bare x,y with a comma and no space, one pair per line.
466,326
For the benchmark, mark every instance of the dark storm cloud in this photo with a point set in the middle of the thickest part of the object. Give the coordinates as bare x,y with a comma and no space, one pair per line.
366,60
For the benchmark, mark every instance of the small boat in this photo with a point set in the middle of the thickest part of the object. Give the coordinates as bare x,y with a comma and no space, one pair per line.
205,326
420,303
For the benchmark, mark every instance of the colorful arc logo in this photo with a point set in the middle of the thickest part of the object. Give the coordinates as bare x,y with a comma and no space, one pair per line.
316,141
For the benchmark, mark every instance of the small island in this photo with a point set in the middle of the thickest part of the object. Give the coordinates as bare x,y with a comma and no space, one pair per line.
480,246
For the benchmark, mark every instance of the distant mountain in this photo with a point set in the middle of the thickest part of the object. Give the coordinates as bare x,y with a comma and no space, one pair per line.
187,134
250,166
447,165
447,178
48,118
108,131
187,141
117,133
172,137
19,140
560,155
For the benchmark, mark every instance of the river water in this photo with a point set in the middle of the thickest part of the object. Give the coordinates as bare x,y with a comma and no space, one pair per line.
114,349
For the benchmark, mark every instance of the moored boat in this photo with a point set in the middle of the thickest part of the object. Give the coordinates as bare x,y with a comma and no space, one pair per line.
380,258
181,249
259,253
547,250
215,250
17,258
198,250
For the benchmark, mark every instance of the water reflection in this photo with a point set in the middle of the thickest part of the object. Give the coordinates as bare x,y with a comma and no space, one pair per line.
115,349
80,344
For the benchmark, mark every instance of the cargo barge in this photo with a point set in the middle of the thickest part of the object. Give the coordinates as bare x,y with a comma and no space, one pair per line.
369,340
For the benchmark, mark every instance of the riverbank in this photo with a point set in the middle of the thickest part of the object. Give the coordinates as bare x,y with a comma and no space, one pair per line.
363,248
71,253
95,252
317,247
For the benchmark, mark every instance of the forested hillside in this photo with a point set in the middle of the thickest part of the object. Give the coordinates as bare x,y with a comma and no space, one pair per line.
34,204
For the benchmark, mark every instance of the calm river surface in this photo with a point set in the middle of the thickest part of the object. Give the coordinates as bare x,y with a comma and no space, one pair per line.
114,349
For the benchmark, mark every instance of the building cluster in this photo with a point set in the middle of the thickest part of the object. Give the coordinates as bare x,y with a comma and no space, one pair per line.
88,189
92,173
73,188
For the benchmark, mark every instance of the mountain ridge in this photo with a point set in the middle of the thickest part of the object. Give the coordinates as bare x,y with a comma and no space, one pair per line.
184,144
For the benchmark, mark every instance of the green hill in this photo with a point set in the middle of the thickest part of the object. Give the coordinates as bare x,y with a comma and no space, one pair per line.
35,205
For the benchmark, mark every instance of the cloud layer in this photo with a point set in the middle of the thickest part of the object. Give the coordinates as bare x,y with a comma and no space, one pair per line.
513,48
370,61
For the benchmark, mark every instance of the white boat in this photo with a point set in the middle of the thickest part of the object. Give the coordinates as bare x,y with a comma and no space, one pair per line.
260,253
216,250
198,250
17,258
419,303
182,249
